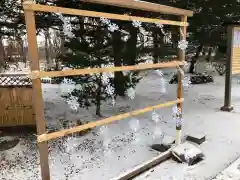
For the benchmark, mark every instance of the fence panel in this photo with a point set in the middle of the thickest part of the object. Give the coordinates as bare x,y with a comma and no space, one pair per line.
16,101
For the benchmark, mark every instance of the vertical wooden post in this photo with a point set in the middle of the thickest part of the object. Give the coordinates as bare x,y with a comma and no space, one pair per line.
228,77
37,90
181,56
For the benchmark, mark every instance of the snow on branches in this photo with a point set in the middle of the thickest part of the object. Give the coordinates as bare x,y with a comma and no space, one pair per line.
82,91
67,29
111,26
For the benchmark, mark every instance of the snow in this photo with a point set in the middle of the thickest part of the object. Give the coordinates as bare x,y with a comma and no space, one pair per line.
104,154
232,172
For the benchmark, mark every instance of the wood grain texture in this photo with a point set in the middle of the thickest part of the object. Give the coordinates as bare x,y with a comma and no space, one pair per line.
235,60
65,132
143,5
181,56
54,9
75,72
37,92
16,107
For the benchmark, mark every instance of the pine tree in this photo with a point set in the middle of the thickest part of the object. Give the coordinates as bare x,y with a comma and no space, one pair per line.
89,48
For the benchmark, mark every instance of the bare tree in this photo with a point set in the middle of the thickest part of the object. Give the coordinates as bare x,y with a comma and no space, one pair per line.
57,47
2,55
48,49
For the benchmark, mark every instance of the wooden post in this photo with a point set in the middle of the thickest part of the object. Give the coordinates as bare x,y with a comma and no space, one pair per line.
228,77
37,90
181,55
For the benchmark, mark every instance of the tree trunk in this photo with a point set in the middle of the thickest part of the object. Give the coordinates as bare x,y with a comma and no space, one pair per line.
195,58
155,47
119,79
46,48
22,52
98,97
2,56
131,47
210,51
51,55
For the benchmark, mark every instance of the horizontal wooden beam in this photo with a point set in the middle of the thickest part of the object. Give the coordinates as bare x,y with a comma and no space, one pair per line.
141,168
54,9
65,132
143,5
75,72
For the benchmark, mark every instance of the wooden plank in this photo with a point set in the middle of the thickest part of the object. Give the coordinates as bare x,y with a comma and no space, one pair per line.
65,132
144,166
54,9
236,67
181,55
236,72
235,55
37,92
74,72
142,5
16,107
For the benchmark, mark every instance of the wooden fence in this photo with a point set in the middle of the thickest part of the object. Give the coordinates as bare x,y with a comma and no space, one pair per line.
29,9
16,101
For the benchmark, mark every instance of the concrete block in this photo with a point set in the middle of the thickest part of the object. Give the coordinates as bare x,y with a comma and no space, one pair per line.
197,138
187,153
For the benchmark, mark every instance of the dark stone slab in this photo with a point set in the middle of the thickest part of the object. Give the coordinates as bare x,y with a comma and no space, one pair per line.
197,138
165,144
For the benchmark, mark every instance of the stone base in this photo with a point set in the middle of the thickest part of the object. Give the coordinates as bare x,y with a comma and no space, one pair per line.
187,153
197,138
227,109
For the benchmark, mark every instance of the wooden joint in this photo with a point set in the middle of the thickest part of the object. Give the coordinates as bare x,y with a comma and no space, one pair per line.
41,137
34,75
28,2
180,70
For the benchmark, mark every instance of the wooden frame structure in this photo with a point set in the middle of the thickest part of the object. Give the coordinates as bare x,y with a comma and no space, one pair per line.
36,74
233,62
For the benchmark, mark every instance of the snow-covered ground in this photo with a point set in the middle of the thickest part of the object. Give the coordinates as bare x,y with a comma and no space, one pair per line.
103,153
232,172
